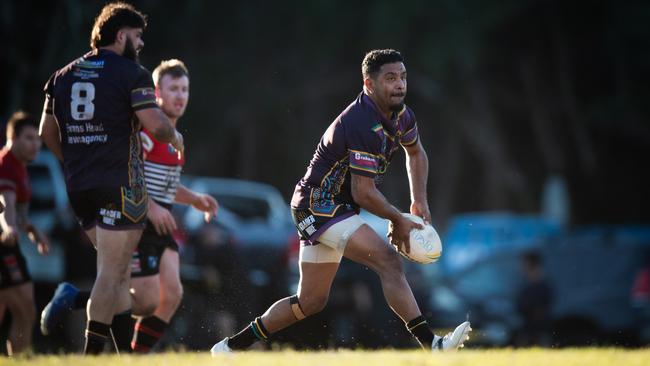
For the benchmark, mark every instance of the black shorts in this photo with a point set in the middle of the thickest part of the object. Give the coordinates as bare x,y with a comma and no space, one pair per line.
146,258
13,267
113,208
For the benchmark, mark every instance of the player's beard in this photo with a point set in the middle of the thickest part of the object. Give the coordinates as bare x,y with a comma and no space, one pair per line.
397,107
130,52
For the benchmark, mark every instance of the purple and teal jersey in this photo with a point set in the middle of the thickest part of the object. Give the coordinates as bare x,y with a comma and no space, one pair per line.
94,100
361,140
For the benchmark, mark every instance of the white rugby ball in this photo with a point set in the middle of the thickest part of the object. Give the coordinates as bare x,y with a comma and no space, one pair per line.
426,246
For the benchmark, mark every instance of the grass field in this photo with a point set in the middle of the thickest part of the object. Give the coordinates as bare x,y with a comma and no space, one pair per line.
528,357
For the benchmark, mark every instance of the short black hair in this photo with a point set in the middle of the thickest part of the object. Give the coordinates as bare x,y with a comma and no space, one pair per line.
175,68
111,19
18,121
374,59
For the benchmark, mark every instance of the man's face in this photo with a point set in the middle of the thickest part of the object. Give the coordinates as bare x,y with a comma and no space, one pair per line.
133,43
27,144
172,95
389,87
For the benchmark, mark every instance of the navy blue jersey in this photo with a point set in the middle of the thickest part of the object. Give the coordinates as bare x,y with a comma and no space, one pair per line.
360,141
94,99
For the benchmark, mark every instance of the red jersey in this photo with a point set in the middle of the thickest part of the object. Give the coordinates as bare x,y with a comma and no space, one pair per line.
13,176
162,168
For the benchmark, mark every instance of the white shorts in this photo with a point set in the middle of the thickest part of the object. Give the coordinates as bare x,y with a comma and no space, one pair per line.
332,242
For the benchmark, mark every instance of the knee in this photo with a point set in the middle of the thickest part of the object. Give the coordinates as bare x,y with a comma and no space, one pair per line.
144,305
145,297
313,304
389,264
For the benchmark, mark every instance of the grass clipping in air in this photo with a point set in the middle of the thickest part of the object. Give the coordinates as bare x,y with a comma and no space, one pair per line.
527,357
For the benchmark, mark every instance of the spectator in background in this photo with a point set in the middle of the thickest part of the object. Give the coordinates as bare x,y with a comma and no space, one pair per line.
534,301
16,287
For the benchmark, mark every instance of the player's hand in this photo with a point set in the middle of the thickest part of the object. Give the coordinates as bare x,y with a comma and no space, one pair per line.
400,232
207,204
177,142
161,218
421,209
9,236
41,241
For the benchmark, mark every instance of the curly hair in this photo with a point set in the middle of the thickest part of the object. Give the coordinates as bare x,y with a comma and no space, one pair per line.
374,59
111,19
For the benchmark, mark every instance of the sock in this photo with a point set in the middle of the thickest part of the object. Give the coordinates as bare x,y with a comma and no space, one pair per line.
122,328
421,331
249,335
81,300
97,334
147,332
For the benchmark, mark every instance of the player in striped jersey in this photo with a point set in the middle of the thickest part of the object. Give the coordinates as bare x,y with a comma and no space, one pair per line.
155,281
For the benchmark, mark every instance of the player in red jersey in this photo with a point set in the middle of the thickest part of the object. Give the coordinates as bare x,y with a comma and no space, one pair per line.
16,288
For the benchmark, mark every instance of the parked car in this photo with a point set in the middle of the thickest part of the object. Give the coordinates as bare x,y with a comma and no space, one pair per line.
50,212
238,261
591,272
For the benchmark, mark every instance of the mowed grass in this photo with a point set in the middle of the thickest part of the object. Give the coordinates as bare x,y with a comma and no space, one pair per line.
527,357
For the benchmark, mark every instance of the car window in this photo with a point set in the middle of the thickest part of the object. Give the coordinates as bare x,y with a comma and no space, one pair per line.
497,277
247,208
42,188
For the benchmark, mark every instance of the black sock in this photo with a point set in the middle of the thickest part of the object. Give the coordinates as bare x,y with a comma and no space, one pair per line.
249,335
147,333
97,334
81,300
421,331
122,327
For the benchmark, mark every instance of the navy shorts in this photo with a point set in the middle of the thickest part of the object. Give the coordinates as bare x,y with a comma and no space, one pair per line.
113,208
146,257
13,267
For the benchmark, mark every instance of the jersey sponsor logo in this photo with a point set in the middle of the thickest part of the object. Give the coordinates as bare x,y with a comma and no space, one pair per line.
88,64
87,140
85,74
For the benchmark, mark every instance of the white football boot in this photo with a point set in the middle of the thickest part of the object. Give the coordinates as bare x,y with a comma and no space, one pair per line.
221,347
453,340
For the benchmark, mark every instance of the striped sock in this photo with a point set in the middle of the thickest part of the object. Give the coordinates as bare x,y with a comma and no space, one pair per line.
421,331
147,333
249,335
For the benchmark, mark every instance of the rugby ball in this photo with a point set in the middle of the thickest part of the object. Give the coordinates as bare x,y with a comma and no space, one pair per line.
426,246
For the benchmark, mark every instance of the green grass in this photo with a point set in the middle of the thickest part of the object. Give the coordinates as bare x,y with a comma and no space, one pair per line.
527,357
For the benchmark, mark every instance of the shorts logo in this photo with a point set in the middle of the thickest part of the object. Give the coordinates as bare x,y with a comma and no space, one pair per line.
152,262
306,225
109,216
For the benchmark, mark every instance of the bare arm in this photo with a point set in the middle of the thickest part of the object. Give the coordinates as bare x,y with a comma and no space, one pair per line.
200,201
366,195
417,168
160,127
49,131
8,219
